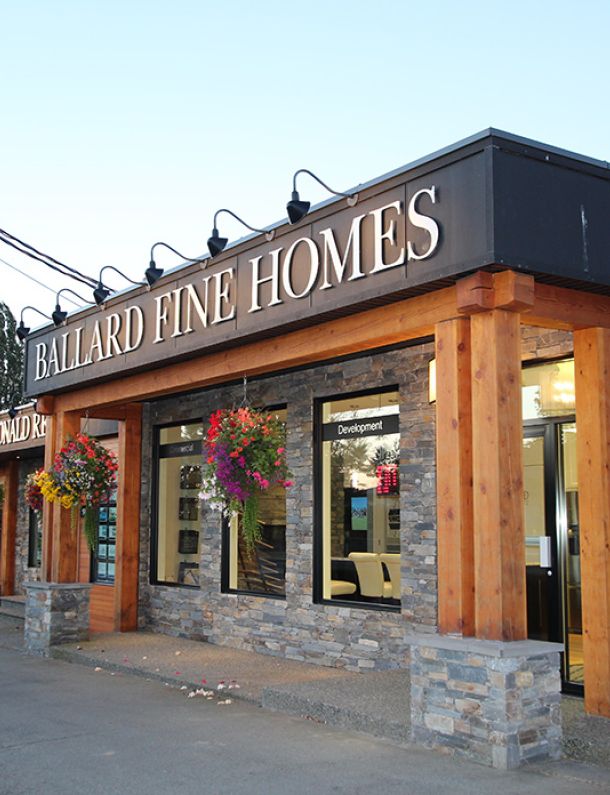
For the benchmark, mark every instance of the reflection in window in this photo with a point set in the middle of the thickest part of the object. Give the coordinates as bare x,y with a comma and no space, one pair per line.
547,390
360,499
178,507
261,570
104,557
34,538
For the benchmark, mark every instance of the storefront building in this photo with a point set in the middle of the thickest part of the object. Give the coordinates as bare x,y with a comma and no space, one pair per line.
438,347
22,440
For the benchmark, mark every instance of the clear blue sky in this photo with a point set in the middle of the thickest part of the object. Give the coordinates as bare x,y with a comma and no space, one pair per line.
128,122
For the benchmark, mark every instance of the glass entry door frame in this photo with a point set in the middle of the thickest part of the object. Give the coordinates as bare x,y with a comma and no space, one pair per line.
553,578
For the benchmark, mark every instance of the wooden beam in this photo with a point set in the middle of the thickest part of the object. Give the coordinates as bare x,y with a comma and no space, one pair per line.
9,525
482,291
558,307
500,600
454,478
592,376
386,325
128,522
45,405
64,566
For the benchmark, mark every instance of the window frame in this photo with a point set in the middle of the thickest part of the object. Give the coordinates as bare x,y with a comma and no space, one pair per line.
318,487
154,518
34,521
225,554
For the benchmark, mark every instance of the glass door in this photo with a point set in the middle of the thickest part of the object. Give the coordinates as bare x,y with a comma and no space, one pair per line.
552,547
570,534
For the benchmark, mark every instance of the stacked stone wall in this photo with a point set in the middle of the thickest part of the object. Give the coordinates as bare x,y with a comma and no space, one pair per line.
356,638
497,703
23,572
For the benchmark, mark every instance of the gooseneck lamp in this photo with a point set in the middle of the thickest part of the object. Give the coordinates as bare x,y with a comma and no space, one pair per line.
153,273
58,316
23,330
216,243
101,292
297,208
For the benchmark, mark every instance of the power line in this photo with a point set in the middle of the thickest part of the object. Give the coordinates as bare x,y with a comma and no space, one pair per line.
44,262
32,279
48,257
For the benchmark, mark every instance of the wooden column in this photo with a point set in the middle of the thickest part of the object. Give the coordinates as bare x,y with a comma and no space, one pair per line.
64,558
128,521
592,375
47,508
9,524
500,596
454,477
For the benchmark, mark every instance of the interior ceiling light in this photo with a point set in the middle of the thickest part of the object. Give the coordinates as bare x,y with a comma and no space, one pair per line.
297,209
216,244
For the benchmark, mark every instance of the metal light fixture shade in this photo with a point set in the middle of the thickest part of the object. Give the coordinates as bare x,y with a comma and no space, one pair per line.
100,294
153,274
216,244
298,209
12,412
58,315
22,331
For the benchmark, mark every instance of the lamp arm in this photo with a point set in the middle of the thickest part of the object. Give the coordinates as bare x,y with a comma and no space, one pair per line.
166,245
237,218
48,317
324,185
116,270
68,290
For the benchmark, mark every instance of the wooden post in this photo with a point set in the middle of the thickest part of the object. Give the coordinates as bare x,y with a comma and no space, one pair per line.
9,524
454,477
47,509
128,521
500,596
64,559
592,376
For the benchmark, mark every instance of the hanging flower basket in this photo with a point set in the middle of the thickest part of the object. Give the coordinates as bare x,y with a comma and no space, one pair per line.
246,455
83,474
33,493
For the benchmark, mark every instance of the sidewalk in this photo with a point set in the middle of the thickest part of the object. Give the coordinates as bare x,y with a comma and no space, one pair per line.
374,703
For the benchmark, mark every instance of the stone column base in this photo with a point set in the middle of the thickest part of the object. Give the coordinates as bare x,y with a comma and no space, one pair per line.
55,613
493,702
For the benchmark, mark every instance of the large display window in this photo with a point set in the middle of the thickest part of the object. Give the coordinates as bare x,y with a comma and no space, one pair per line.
262,569
358,499
178,515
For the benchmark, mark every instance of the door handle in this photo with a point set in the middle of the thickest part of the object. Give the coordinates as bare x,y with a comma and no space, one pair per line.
545,552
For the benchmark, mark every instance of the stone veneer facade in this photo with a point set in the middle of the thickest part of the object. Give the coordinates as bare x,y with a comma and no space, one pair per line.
497,703
55,613
356,638
23,572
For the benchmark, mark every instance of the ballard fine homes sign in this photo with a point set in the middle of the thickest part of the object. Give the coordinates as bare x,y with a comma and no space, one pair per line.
471,206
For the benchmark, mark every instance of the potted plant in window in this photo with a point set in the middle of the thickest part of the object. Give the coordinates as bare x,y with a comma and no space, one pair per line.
246,455
83,474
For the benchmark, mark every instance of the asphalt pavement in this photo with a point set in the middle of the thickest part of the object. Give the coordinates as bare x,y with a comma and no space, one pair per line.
67,729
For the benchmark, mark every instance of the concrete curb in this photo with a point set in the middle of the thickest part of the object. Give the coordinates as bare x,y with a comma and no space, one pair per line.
283,700
67,655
